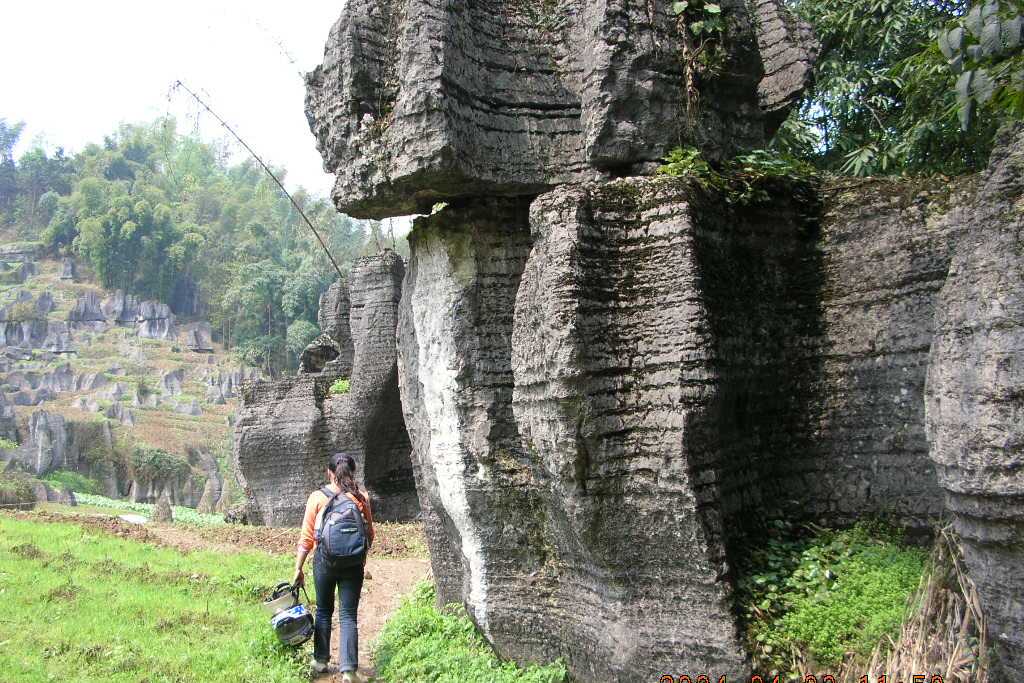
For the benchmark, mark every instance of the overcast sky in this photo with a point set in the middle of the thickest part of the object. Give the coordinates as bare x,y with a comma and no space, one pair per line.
73,70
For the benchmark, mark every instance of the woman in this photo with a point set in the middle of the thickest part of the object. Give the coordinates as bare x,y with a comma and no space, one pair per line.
347,580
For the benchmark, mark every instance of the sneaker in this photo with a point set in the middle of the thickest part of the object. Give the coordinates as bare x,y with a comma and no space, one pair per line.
319,667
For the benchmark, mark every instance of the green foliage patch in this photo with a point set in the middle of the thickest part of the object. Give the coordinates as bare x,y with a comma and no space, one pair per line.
340,386
745,179
7,445
79,483
181,514
422,643
16,490
829,595
118,610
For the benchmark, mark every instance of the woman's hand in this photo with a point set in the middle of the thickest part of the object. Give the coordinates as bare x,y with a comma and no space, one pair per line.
300,578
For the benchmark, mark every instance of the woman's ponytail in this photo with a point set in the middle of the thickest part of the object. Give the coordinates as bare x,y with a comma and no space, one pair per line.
344,468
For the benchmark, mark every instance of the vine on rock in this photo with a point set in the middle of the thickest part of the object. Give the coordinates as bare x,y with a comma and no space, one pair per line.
701,28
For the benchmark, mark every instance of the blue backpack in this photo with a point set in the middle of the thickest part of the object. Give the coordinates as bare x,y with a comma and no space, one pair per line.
341,538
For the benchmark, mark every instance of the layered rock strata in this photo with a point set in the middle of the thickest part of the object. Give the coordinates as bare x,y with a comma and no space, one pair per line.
420,101
287,429
975,397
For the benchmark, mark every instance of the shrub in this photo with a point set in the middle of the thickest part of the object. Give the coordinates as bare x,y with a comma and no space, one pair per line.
340,386
7,445
156,463
17,491
422,643
79,483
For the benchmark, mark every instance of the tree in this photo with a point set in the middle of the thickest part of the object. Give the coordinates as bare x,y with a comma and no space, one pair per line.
884,99
9,135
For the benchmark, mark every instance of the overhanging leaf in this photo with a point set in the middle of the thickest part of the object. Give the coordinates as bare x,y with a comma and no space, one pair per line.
963,86
1012,32
973,21
982,86
990,38
956,39
712,8
680,7
944,46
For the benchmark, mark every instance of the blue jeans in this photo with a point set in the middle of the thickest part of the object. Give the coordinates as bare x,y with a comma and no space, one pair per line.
349,583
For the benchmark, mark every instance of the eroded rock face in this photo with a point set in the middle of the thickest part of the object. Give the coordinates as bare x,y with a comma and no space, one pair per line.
565,378
975,398
287,429
420,101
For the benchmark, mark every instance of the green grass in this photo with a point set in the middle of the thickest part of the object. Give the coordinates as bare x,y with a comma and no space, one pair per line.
79,483
181,514
423,644
85,606
832,595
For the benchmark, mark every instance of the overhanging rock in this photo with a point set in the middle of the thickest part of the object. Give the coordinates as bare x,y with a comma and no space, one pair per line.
421,101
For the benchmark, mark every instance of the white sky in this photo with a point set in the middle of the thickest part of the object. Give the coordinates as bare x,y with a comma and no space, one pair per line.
74,69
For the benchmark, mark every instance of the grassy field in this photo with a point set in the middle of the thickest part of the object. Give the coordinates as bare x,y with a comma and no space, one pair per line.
85,606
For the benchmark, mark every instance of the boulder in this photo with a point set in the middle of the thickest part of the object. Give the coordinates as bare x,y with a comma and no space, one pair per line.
88,312
162,510
171,381
192,408
58,338
44,304
121,413
29,334
317,354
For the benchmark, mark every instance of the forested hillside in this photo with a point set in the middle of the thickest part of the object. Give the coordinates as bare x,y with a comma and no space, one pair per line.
166,216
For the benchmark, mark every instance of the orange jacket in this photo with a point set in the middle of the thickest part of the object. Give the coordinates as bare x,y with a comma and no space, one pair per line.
311,520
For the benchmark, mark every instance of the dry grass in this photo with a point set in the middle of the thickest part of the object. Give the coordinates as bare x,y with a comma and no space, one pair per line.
944,633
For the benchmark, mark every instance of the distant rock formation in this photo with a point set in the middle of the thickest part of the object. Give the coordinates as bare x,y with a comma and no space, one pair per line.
88,312
67,269
198,338
121,308
155,321
287,430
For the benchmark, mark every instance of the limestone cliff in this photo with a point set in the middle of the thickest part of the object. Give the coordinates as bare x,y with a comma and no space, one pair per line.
287,429
608,381
975,396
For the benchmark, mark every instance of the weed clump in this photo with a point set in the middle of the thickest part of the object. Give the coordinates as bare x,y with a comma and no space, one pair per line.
422,643
826,597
